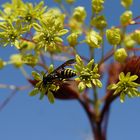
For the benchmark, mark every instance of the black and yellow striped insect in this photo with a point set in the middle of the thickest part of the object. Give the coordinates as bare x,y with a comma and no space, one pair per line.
60,73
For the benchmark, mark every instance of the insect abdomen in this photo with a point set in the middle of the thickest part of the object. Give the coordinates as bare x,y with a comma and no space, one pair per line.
68,73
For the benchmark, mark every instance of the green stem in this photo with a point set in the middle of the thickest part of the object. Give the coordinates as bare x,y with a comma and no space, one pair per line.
24,73
51,58
91,53
102,46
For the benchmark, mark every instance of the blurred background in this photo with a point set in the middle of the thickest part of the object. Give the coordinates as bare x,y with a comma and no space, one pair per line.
28,118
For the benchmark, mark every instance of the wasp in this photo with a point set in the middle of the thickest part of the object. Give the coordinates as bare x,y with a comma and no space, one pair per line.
60,73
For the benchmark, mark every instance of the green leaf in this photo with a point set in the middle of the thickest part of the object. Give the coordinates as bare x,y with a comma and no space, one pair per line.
133,84
50,97
17,44
81,86
112,87
98,83
58,39
122,97
36,75
34,92
133,78
95,69
62,32
39,5
90,64
118,90
37,27
51,68
88,84
3,26
121,76
78,68
42,95
128,75
79,61
38,84
129,94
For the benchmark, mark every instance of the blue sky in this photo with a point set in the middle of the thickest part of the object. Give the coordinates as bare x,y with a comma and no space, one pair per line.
28,118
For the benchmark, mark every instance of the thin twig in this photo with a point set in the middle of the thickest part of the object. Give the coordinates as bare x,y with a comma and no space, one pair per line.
107,56
6,101
14,89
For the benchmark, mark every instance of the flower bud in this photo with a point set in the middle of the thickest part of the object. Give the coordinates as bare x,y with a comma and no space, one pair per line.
58,1
99,22
136,36
113,36
30,60
126,3
126,18
79,14
72,39
70,1
75,25
97,6
25,45
129,42
120,55
1,63
93,39
16,60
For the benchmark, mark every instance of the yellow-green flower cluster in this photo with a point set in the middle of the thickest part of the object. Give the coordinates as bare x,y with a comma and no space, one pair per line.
32,13
17,18
12,10
18,10
49,32
10,33
87,75
44,89
126,86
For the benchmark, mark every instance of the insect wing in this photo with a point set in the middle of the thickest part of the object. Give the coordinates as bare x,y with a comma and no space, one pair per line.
67,63
54,74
